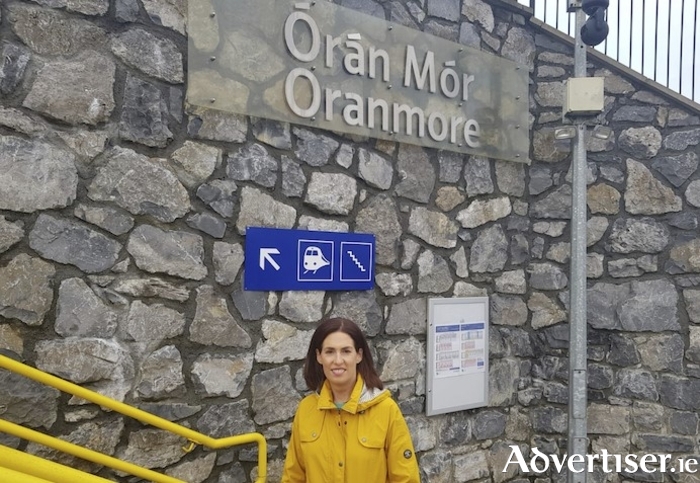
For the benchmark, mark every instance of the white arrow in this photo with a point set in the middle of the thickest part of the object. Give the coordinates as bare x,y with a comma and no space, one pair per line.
266,254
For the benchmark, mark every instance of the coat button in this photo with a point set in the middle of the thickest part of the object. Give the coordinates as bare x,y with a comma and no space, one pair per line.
364,440
313,435
340,464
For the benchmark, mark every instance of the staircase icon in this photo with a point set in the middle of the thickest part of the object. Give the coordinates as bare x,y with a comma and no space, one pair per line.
356,261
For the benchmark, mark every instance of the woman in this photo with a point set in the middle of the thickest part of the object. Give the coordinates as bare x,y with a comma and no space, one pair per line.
349,430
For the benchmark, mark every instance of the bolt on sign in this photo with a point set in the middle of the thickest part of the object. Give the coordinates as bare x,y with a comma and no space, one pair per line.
322,65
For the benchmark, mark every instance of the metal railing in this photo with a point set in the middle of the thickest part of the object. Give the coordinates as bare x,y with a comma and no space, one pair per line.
656,38
193,437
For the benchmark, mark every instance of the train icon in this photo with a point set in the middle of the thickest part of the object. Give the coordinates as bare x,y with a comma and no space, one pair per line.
314,259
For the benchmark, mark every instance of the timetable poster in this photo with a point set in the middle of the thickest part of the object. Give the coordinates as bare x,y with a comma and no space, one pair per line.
460,348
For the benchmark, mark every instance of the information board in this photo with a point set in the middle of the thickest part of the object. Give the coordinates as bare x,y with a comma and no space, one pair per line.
458,354
282,259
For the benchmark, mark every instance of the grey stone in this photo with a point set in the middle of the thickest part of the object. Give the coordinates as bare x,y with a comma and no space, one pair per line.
219,375
416,173
471,466
693,352
408,317
545,148
293,178
511,282
194,163
450,166
545,276
195,471
652,306
155,56
605,419
508,310
50,32
540,180
251,305
260,209
126,10
22,163
676,169
101,437
519,46
302,306
440,29
545,311
684,221
680,140
642,143
227,259
683,257
332,193
321,224
459,260
76,91
434,228
623,351
253,163
281,343
360,307
80,312
374,169
140,324
161,375
679,118
108,218
11,233
208,223
12,66
548,420
314,150
176,253
469,35
171,13
445,9
72,243
519,249
645,114
150,287
644,235
223,420
683,422
489,252
274,397
679,392
488,425
82,360
477,174
510,178
217,125
503,378
480,212
273,133
603,300
600,376
664,443
379,216
647,196
344,156
596,228
402,359
29,403
555,205
692,304
393,284
479,12
140,185
604,199
213,324
661,353
218,194
152,448
144,116
18,121
636,384
433,273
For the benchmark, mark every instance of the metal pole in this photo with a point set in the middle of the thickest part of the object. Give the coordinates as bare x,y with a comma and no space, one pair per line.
578,440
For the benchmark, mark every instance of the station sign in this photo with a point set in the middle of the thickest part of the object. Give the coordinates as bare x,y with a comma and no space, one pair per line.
282,259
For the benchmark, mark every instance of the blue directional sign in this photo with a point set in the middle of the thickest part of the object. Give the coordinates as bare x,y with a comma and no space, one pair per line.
279,259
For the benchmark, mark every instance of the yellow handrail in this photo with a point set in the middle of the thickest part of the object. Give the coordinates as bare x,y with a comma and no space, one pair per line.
36,467
143,416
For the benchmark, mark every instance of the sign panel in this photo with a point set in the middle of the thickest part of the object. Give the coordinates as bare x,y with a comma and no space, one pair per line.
318,64
280,259
458,355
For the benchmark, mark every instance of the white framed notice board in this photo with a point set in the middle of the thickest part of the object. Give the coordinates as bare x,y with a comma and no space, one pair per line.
458,354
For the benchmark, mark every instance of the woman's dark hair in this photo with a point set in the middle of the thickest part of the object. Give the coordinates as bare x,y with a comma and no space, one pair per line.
313,371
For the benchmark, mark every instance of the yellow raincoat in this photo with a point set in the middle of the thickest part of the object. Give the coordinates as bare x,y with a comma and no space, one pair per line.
367,441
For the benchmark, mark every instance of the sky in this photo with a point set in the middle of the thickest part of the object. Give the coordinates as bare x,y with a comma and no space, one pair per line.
658,38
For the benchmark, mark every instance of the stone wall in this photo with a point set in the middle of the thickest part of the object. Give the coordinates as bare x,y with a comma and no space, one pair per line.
122,221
